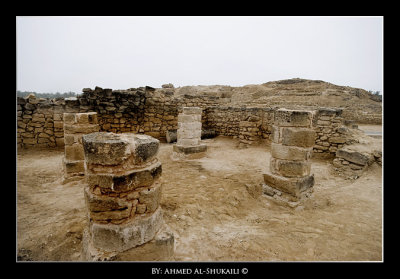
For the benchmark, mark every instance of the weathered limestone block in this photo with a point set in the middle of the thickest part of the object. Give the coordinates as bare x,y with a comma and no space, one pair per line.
127,181
161,248
289,168
74,152
294,153
75,126
114,149
298,137
190,149
151,197
354,156
74,167
189,118
293,186
189,133
118,238
191,110
293,118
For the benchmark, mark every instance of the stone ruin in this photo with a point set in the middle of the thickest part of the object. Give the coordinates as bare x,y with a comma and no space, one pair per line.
75,126
188,143
292,144
123,193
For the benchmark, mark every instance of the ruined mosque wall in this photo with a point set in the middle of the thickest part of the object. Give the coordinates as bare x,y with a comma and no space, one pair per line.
153,112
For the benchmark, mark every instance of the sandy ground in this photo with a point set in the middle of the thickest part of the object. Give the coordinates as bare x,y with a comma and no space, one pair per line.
212,214
370,128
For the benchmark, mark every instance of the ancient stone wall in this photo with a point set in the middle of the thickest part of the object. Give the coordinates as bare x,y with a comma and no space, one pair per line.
155,111
248,124
328,124
40,121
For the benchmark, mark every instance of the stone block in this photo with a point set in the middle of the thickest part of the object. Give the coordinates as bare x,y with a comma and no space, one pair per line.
126,182
69,118
190,149
97,203
59,124
276,134
82,128
151,197
301,137
113,149
337,140
60,141
160,248
192,110
135,232
189,118
187,142
190,126
69,139
74,152
293,186
293,153
74,167
293,118
288,168
354,156
188,134
323,123
87,118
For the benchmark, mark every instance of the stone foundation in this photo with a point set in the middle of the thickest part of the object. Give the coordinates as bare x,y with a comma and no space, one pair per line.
293,138
75,126
123,193
351,163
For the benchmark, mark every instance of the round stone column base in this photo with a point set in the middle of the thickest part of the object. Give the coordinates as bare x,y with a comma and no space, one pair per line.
189,152
160,248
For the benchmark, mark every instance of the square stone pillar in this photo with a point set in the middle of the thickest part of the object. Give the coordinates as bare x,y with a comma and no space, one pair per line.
189,134
75,126
289,178
123,193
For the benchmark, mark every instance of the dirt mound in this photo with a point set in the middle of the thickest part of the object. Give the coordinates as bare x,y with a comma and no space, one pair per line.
357,104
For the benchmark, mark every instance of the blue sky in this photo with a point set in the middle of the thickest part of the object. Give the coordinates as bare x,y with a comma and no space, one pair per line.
70,53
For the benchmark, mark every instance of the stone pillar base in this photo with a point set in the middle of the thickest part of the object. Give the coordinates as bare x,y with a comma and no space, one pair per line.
73,170
189,152
160,248
288,190
285,198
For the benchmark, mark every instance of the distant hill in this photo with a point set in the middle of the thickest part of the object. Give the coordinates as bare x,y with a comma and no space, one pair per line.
357,104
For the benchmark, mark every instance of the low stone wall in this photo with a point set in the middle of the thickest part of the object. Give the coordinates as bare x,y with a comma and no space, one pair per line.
40,121
150,111
248,124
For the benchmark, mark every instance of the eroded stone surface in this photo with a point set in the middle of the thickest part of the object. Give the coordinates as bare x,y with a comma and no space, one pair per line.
118,238
123,193
189,133
75,126
292,145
